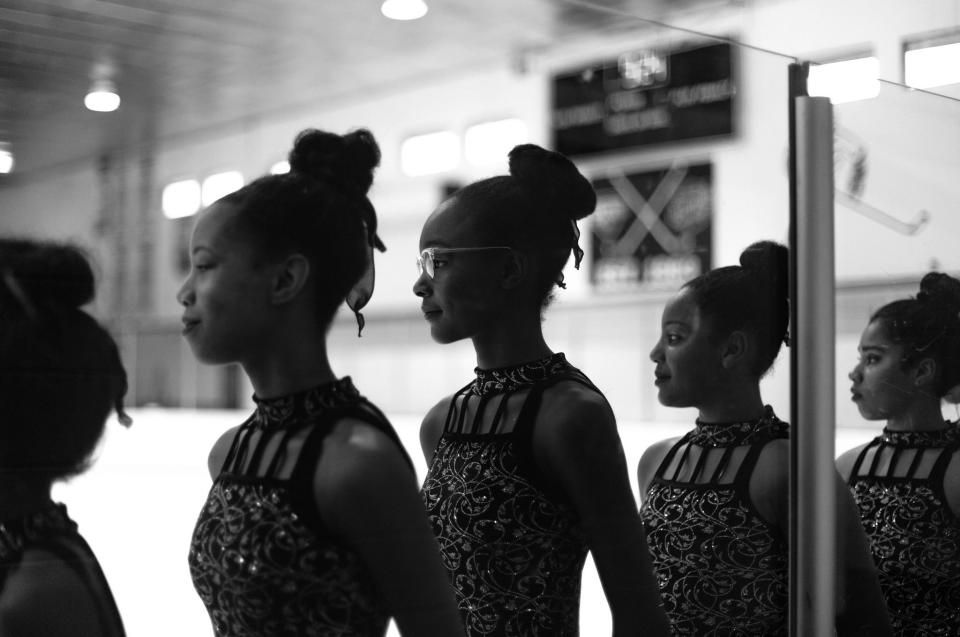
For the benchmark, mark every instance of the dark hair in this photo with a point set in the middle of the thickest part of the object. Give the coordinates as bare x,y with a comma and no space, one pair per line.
319,209
928,326
534,210
752,296
60,371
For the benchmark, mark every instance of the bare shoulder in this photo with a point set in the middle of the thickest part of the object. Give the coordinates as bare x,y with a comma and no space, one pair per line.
650,461
431,428
361,466
218,453
42,582
574,410
847,459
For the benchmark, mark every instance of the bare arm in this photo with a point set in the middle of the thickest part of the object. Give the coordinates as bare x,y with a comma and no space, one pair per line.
861,610
650,462
431,429
369,497
579,448
846,460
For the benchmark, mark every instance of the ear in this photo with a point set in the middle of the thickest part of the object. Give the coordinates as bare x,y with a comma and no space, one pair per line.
515,269
926,372
735,349
290,276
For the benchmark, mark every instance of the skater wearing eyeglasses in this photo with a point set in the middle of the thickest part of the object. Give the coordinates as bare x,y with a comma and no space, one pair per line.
526,470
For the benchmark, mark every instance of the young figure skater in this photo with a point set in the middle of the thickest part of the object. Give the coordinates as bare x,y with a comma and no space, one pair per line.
526,470
60,375
906,482
313,525
715,501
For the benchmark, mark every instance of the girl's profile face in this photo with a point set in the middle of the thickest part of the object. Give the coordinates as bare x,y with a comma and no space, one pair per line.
463,297
688,364
226,295
882,388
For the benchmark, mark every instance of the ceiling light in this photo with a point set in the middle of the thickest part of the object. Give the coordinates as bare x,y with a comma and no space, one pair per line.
845,81
102,97
181,199
280,167
932,66
220,185
6,158
430,153
403,9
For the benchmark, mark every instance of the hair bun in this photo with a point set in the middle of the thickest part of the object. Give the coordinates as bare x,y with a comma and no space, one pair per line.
346,161
555,178
768,261
941,291
48,274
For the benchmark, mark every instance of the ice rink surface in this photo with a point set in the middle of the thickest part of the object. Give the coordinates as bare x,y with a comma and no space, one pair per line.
138,503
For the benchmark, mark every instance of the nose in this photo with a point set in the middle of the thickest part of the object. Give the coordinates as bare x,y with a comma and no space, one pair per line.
421,287
185,295
854,374
656,354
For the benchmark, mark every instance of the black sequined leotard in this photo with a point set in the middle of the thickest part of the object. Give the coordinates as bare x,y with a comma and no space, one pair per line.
262,560
51,530
513,545
722,569
897,482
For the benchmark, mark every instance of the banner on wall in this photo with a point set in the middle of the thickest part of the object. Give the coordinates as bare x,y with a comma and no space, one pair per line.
644,98
651,230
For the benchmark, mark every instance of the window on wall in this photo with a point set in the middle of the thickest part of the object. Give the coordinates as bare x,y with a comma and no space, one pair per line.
846,80
181,199
219,185
932,61
429,154
489,142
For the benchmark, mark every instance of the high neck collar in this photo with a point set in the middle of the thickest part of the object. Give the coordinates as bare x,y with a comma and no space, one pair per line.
276,412
15,533
943,437
507,379
737,433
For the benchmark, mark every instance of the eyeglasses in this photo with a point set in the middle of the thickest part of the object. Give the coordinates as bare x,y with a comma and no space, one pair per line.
427,260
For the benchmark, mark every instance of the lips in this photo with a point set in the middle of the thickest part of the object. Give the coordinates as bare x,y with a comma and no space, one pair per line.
430,313
855,395
660,378
189,324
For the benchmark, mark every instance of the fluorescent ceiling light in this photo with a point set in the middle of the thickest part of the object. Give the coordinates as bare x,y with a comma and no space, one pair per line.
220,185
6,158
845,81
181,199
489,142
430,153
280,167
932,66
102,97
404,9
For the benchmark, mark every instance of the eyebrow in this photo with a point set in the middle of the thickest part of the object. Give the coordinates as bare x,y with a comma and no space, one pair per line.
881,348
197,249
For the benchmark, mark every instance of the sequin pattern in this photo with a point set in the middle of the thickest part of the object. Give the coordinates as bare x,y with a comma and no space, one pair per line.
514,554
261,559
260,571
722,570
915,539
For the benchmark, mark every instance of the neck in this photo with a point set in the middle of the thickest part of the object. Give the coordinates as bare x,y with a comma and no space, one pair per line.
292,364
19,497
735,403
924,415
514,340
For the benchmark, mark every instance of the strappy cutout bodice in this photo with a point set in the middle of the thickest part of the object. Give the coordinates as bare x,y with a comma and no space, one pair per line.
510,539
898,484
721,567
262,558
